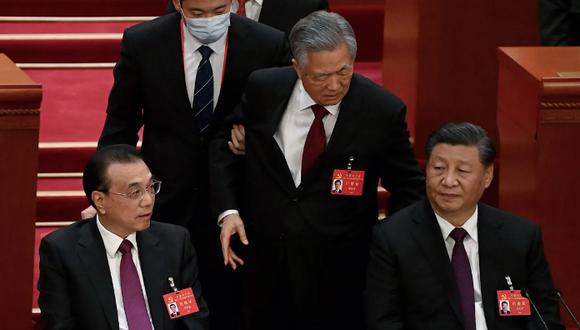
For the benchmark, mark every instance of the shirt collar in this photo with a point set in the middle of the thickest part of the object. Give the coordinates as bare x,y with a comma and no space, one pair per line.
305,101
470,226
217,46
257,1
112,241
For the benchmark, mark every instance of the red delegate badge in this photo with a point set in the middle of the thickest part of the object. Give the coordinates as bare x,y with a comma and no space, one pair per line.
347,182
180,303
511,303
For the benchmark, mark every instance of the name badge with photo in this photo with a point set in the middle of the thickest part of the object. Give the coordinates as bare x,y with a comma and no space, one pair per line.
180,303
347,183
511,303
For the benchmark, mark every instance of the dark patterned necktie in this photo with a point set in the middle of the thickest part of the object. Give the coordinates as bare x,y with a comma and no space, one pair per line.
133,299
315,143
203,93
463,278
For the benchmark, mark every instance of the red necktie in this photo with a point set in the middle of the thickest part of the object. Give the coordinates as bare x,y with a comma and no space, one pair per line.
242,7
133,299
315,140
463,278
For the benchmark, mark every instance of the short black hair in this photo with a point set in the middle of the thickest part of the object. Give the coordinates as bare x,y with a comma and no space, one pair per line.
465,134
95,173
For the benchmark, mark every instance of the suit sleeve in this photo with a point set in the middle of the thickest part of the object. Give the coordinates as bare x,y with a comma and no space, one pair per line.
541,286
401,174
382,294
53,301
226,169
555,22
124,111
190,278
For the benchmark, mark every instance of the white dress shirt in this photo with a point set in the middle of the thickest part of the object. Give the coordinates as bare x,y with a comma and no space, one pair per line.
295,124
472,249
253,8
192,57
112,243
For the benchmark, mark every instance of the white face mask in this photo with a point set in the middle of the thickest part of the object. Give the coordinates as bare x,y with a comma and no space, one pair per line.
208,29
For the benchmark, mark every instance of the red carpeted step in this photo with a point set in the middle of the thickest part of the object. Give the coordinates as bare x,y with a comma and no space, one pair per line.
62,41
66,207
84,8
64,157
59,198
65,49
54,25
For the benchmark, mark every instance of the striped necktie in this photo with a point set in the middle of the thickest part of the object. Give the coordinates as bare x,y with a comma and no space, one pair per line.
203,92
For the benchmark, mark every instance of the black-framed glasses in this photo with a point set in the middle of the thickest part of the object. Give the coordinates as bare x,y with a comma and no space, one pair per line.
138,193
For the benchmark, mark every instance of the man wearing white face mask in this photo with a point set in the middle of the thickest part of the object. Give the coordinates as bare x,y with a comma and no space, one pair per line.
279,14
178,76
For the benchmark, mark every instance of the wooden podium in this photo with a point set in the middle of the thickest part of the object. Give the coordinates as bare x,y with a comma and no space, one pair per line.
19,120
539,127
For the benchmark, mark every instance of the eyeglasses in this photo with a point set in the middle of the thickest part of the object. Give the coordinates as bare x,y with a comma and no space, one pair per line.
138,193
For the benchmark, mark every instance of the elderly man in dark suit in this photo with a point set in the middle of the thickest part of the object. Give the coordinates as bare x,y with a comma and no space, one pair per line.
306,126
178,77
279,14
111,272
439,264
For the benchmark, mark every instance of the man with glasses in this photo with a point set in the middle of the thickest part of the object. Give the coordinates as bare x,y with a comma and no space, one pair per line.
111,271
306,127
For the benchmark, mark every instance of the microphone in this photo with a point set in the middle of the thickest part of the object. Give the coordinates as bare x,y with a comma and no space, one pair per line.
526,293
567,308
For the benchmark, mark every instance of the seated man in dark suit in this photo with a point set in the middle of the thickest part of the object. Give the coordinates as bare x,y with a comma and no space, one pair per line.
279,14
307,126
111,271
439,263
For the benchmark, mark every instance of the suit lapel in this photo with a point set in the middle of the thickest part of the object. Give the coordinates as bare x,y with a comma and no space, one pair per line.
174,66
429,238
93,256
151,257
236,53
490,248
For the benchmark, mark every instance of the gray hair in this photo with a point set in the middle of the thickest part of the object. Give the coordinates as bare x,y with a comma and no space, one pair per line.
464,134
319,31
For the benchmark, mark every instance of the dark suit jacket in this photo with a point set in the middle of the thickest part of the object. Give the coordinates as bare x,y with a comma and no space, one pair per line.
410,281
150,92
281,14
559,22
76,291
324,238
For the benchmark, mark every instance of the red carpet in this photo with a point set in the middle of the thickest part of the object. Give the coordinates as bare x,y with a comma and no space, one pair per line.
74,103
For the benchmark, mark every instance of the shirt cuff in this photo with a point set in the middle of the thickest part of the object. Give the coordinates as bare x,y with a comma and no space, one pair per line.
224,214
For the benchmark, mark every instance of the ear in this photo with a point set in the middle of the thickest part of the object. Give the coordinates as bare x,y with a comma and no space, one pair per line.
177,5
488,176
297,68
98,198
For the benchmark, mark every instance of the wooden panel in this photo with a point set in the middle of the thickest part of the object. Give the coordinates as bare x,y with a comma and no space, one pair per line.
19,103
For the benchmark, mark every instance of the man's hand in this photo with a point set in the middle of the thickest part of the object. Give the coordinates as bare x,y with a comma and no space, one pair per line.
238,143
89,212
231,225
